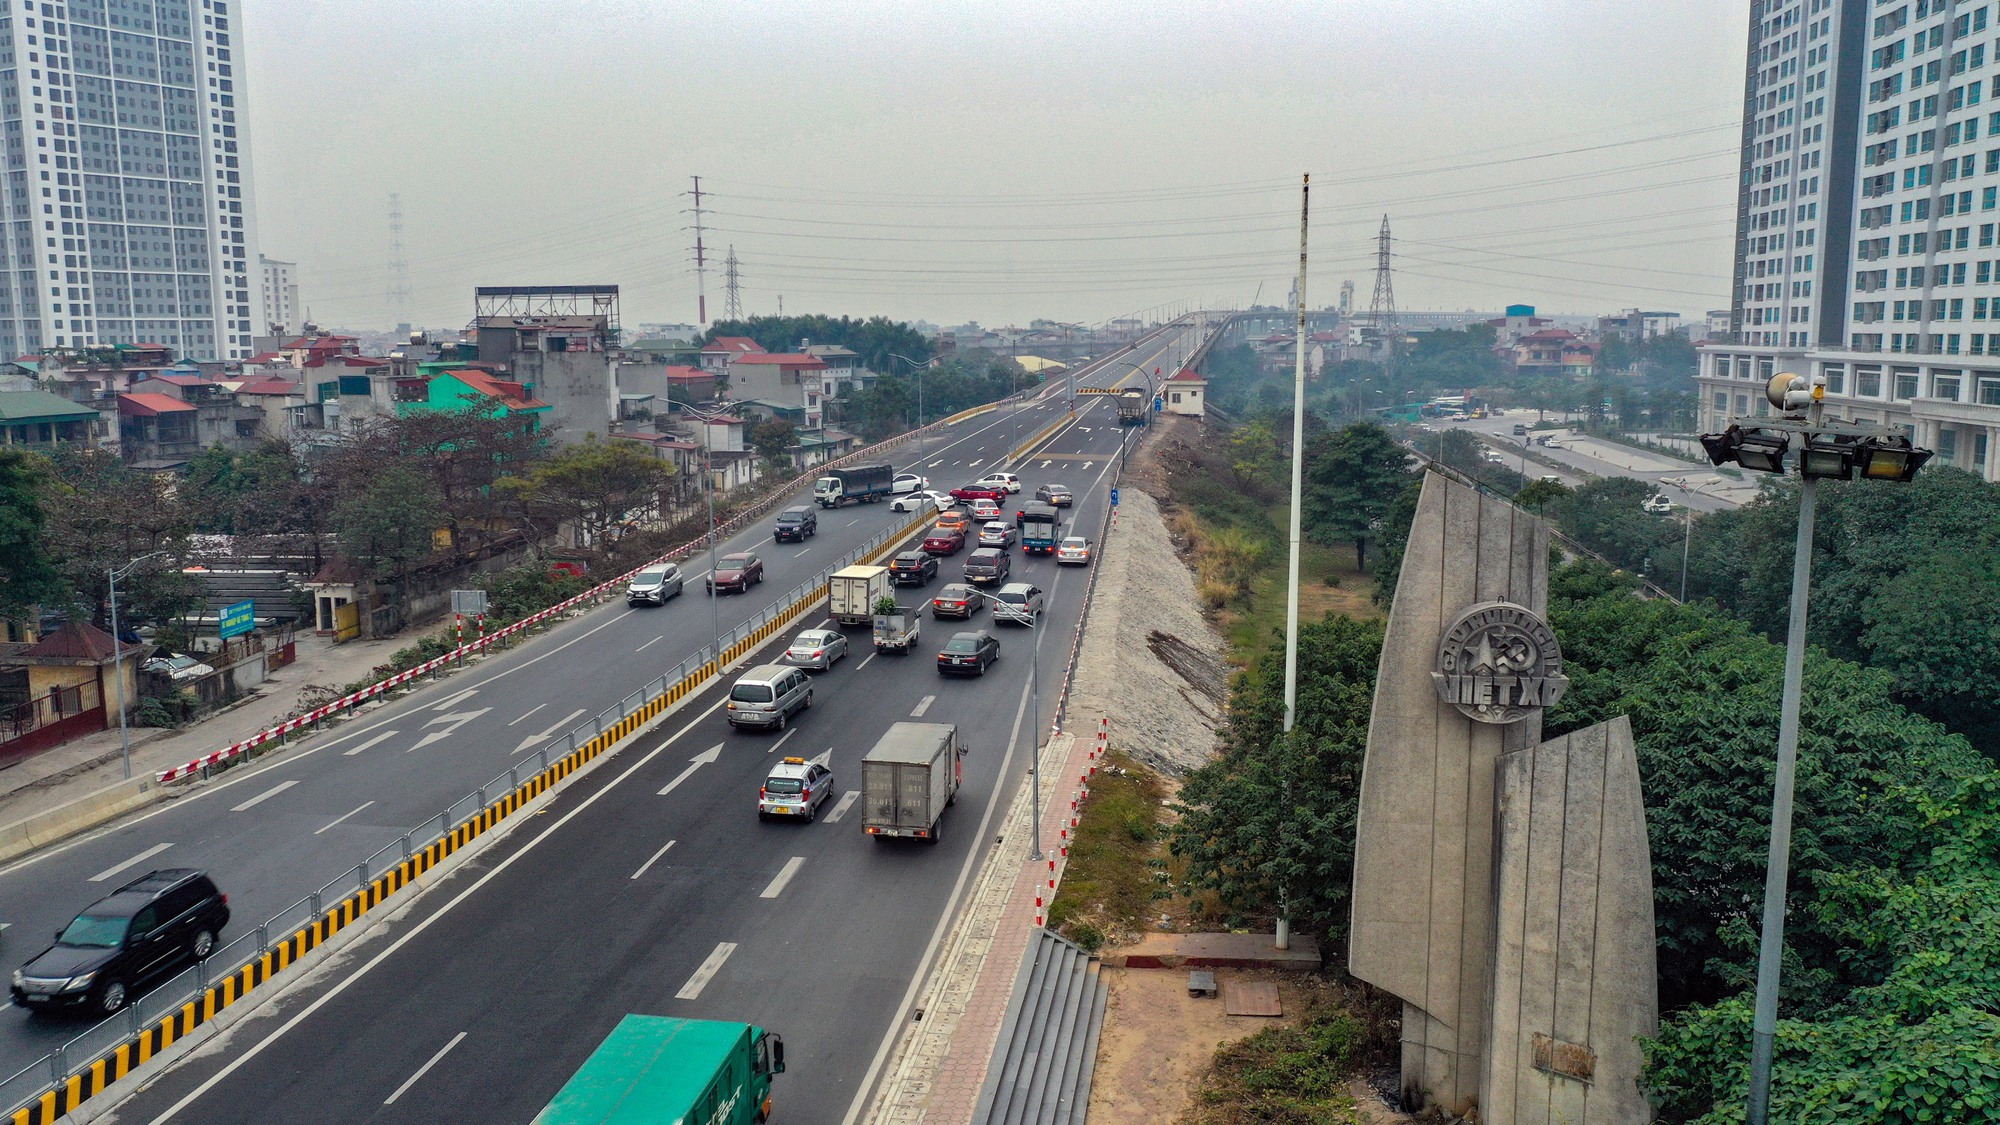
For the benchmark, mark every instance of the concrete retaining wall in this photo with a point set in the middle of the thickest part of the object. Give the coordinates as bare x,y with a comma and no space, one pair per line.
88,811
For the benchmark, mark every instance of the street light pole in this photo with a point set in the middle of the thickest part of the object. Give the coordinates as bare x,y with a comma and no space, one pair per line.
118,658
708,491
922,419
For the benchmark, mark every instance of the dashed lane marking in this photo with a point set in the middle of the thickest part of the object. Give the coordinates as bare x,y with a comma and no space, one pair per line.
424,1069
923,706
341,817
841,806
377,740
135,861
654,858
264,796
692,989
783,877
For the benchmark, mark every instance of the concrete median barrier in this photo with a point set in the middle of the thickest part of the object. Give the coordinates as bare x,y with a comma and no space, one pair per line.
68,819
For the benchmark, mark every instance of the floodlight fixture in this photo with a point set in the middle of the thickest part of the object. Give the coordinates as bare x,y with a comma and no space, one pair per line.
1762,452
1892,458
1828,458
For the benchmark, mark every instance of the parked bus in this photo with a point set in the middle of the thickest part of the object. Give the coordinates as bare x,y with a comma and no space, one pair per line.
653,1070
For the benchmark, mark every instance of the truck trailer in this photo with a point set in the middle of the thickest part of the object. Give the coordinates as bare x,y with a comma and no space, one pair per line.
863,484
908,780
1132,407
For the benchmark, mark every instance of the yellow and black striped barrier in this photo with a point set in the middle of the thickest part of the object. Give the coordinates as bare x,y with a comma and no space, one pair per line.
89,1081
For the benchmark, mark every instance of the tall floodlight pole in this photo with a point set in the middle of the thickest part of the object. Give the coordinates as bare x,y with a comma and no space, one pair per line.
118,658
921,420
1284,934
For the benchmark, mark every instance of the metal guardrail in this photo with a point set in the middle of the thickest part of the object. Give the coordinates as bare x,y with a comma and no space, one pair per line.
89,1062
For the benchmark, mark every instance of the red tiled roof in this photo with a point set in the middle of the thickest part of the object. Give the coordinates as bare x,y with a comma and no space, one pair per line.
184,380
783,359
684,374
270,387
28,359
740,344
513,394
150,405
76,641
1186,375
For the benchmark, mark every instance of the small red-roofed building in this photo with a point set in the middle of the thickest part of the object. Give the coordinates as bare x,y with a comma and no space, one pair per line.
1184,392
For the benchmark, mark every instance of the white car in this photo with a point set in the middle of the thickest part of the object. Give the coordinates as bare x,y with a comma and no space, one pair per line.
1008,481
908,482
912,502
998,534
1659,505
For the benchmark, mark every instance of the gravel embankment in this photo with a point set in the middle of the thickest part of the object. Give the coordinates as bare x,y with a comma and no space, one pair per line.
1150,660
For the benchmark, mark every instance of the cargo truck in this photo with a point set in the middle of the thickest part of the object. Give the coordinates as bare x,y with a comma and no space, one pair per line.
862,484
654,1068
895,627
851,593
908,779
1132,407
1041,527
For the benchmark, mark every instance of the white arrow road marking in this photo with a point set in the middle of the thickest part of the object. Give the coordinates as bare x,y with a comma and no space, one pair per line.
457,719
707,757
784,876
1088,464
923,706
341,817
424,1069
135,861
841,806
264,796
655,857
383,737
692,989
973,464
544,736
1046,464
446,702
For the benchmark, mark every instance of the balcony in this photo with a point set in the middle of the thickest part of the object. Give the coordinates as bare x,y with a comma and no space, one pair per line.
1955,413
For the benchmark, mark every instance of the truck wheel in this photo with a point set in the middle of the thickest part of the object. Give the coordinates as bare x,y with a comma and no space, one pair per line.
937,833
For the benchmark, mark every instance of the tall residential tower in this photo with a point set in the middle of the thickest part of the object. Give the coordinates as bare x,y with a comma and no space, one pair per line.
1868,232
129,212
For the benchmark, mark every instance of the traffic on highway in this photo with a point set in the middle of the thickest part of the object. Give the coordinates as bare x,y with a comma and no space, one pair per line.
665,880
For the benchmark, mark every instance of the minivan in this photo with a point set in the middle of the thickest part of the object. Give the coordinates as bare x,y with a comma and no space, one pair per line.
768,696
654,585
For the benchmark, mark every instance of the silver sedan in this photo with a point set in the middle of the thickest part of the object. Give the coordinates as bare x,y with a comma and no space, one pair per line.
816,648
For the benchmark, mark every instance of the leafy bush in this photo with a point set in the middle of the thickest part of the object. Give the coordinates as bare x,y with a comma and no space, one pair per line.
1294,1074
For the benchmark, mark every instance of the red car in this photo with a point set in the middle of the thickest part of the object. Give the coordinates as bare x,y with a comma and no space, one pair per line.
944,541
966,492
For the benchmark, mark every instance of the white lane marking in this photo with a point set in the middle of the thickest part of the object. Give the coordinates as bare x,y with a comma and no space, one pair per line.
923,706
529,711
802,554
655,858
650,644
1088,464
781,740
692,989
423,1070
446,703
827,624
854,521
377,740
544,736
136,860
973,464
341,817
783,877
841,806
455,720
1046,464
706,757
864,661
265,795
236,1063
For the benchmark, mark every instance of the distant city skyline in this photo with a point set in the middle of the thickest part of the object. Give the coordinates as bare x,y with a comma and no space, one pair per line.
978,164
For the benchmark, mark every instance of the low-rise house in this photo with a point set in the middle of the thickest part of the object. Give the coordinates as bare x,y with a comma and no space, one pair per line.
785,382
47,422
471,388
719,352
1184,392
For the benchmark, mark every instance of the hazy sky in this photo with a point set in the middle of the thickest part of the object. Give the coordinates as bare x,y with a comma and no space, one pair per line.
957,161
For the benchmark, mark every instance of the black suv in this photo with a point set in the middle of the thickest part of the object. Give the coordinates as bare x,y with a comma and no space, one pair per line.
795,524
142,930
913,568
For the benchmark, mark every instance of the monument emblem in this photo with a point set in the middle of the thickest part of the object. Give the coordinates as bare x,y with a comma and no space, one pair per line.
1497,662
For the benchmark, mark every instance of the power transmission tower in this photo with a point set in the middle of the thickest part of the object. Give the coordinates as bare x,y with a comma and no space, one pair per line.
1382,310
700,261
399,267
732,305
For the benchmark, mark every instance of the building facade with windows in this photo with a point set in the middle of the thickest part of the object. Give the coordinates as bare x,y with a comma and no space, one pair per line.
1868,235
129,216
281,297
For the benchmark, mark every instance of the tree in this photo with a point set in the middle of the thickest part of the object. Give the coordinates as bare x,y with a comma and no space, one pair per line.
1255,458
388,522
773,439
1538,495
873,340
589,486
1352,476
100,516
28,576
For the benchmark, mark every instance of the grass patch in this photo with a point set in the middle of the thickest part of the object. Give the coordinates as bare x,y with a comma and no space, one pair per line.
1292,1074
1107,887
1329,582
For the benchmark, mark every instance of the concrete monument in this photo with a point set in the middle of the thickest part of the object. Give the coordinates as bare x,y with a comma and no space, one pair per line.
1502,886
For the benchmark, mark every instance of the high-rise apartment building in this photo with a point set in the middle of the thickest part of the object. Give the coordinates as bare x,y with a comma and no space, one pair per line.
1868,231
128,205
281,297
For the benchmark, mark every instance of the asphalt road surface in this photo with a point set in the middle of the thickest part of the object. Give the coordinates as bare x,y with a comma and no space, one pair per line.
622,898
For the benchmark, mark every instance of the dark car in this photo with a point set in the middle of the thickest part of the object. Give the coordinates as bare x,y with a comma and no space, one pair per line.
944,541
957,600
1056,494
981,490
795,525
737,571
913,568
968,654
987,564
144,929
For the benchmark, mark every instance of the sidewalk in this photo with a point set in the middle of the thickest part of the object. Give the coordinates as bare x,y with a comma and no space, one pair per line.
74,769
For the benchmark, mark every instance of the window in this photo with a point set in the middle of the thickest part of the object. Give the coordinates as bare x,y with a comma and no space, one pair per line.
1868,382
1945,387
1906,385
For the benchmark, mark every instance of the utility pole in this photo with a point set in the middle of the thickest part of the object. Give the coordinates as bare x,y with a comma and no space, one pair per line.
1284,934
700,261
399,266
732,302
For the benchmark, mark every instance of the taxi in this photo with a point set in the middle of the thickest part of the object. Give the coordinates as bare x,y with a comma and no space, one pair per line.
955,521
795,790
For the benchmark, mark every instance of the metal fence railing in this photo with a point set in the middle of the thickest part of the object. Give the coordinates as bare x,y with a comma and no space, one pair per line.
202,990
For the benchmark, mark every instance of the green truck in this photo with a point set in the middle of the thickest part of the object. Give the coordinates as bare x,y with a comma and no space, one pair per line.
1041,527
653,1070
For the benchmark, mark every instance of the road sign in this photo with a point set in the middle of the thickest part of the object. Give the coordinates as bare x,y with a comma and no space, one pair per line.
238,619
1114,497
468,601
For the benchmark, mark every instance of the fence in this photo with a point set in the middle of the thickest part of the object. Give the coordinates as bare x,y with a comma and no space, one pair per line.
50,719
82,1067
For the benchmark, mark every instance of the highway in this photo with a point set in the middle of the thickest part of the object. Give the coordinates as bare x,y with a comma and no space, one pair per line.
617,898
1584,457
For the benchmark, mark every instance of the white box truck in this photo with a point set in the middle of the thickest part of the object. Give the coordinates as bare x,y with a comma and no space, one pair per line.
851,593
908,779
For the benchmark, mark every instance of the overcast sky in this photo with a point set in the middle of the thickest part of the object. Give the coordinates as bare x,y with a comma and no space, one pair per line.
956,161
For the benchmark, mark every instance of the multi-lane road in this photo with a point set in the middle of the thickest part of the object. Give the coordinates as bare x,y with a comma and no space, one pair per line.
635,892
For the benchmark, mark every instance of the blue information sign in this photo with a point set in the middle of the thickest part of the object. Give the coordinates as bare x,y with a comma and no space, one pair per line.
238,619
1114,498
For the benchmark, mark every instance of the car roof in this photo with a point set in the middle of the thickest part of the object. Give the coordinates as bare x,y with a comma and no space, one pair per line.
968,634
997,523
987,552
736,556
911,555
1017,588
950,586
796,510
789,769
1067,539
